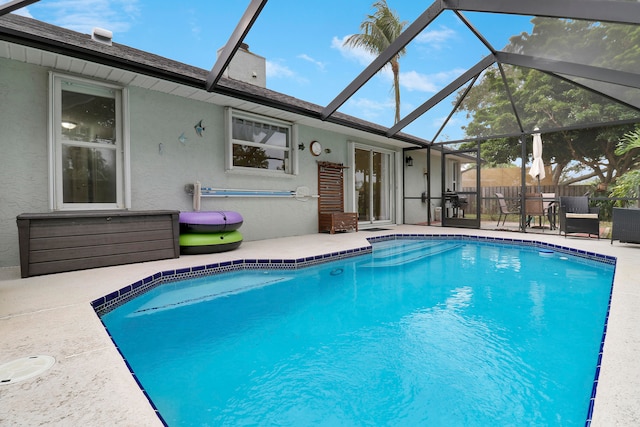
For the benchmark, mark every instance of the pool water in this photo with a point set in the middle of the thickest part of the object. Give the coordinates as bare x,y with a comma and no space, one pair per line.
438,333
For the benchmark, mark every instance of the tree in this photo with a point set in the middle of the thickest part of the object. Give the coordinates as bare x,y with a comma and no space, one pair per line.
379,30
627,185
547,101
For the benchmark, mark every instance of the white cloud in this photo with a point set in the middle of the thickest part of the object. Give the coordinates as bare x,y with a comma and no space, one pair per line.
409,80
280,71
369,109
196,29
24,11
83,15
436,38
275,69
414,81
318,64
357,54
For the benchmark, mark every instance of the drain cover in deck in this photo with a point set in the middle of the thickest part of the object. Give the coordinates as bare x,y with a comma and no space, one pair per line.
24,368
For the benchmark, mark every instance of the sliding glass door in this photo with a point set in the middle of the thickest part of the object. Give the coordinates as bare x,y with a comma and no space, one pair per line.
373,182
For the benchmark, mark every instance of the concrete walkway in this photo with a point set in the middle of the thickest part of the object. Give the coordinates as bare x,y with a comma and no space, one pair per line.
90,385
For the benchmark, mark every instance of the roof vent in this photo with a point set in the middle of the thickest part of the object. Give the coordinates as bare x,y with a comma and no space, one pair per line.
102,36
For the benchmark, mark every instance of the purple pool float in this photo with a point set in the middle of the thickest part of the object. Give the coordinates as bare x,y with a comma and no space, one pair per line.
209,221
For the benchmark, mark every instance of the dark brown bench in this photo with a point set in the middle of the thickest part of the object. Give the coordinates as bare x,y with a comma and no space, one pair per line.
55,242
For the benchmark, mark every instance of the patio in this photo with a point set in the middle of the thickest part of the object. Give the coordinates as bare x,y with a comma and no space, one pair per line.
90,384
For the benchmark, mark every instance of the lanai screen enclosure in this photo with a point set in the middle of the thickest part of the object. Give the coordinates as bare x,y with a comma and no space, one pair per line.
460,60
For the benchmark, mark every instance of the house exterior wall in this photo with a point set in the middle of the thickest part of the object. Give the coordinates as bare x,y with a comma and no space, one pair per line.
23,139
415,211
161,165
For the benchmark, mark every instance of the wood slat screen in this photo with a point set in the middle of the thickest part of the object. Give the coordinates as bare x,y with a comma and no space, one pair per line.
331,215
330,187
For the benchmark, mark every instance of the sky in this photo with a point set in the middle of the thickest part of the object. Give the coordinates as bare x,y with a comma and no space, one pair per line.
303,44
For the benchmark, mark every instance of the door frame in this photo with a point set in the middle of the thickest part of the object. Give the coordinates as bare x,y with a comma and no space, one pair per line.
393,186
469,154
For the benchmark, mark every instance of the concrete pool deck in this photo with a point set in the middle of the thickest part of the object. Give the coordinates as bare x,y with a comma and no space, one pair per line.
91,385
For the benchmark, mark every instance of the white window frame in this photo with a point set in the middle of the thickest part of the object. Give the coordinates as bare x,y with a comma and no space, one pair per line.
290,170
55,144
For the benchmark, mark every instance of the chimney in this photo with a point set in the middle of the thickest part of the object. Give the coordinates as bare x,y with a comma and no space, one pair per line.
247,67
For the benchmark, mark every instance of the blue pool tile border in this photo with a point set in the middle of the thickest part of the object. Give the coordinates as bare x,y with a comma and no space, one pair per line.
111,301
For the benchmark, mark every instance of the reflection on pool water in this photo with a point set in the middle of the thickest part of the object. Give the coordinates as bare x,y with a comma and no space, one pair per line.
416,333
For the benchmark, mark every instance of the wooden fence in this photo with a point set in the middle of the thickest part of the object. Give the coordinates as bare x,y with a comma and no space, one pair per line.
512,194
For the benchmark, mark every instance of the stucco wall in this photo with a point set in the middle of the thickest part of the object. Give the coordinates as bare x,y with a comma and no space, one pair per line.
159,174
415,212
23,159
161,165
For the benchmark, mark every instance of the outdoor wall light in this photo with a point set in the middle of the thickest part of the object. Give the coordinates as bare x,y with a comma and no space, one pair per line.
301,146
68,125
409,161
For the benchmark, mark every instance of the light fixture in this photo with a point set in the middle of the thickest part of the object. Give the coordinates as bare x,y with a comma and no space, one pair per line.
301,146
409,161
68,125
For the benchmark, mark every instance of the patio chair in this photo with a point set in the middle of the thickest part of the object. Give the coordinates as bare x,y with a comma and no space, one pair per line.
549,207
534,207
504,209
625,225
576,216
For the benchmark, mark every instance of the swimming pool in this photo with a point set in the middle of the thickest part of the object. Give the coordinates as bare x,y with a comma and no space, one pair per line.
418,332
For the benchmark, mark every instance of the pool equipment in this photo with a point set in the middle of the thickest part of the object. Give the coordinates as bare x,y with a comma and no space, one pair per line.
209,232
198,192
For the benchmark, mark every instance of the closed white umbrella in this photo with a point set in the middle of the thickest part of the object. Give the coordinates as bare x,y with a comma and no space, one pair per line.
537,167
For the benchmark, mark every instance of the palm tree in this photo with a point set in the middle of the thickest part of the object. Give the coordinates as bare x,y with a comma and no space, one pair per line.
378,32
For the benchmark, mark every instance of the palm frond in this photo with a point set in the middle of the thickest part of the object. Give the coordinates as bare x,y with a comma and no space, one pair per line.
628,142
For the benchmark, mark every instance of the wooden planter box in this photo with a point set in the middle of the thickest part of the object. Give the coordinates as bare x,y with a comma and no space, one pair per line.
338,221
54,242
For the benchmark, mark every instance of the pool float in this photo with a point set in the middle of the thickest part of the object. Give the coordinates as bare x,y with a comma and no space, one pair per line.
209,221
208,243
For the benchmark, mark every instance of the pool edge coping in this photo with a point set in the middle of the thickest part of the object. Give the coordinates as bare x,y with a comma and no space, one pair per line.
111,301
